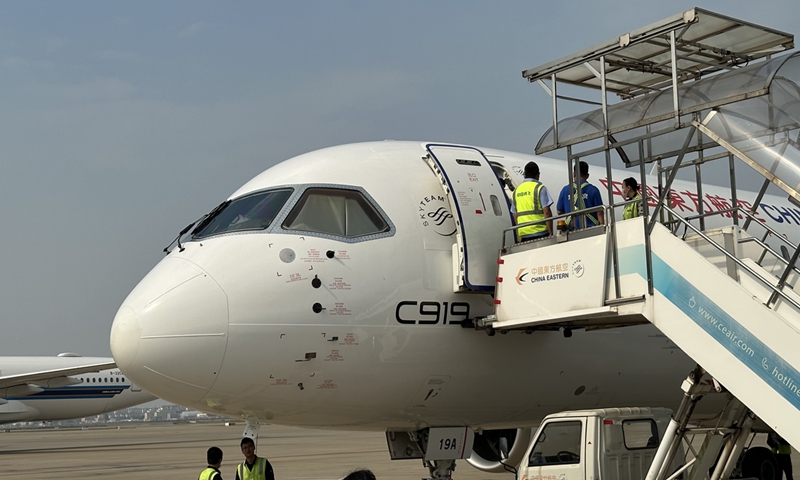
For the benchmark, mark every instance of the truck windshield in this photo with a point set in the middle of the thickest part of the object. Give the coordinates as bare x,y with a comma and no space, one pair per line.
558,444
251,212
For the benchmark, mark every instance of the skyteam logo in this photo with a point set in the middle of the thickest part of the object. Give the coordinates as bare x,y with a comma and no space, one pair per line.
434,213
578,268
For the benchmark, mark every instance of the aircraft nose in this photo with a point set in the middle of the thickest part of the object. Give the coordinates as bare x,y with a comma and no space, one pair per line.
169,335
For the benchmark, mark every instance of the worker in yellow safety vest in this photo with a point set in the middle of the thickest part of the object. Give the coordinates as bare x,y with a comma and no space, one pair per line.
630,189
531,203
783,453
214,458
253,467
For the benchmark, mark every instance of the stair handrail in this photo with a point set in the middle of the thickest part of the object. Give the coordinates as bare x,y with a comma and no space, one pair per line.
761,242
769,249
557,217
766,226
775,290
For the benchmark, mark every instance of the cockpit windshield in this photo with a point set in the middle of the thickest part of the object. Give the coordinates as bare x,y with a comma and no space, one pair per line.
252,212
337,212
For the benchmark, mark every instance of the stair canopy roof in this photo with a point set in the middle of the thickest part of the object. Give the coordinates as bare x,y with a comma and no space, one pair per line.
756,111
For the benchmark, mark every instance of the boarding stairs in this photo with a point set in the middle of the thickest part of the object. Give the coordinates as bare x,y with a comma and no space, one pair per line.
693,84
714,303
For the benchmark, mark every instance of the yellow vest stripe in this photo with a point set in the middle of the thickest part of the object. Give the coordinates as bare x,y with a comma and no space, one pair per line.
257,473
579,204
208,474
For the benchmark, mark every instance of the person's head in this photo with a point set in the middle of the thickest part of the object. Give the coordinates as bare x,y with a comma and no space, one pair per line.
583,169
248,449
532,170
214,457
629,187
362,474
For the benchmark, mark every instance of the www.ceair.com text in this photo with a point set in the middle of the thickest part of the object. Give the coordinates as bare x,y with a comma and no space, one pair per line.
726,331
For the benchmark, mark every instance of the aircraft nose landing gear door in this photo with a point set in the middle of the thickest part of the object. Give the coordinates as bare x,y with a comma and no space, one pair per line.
477,199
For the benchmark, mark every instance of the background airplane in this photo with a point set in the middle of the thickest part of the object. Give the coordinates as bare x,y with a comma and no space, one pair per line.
63,387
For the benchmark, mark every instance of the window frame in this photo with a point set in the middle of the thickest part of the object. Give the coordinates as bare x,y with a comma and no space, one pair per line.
653,431
289,200
300,190
582,432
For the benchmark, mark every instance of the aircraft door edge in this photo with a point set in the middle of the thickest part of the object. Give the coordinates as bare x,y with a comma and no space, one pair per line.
478,201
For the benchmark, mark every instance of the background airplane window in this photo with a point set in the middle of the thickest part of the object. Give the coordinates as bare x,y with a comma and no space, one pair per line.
344,213
559,444
640,433
251,212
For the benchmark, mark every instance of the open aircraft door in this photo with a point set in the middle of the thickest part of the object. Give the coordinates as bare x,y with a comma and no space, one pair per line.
477,199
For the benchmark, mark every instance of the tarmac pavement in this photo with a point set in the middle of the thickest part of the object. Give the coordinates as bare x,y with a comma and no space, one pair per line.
165,450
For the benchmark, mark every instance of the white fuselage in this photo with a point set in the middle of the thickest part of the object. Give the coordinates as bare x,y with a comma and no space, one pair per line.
97,393
228,325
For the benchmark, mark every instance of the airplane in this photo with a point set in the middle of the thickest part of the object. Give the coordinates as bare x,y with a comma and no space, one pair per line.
321,294
63,387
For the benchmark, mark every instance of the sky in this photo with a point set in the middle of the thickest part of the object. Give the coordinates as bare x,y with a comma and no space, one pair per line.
121,122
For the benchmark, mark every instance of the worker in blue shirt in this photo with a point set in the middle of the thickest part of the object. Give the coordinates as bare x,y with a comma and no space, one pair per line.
590,197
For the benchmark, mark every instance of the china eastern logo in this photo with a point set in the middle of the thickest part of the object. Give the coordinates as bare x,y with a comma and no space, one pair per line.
434,213
546,273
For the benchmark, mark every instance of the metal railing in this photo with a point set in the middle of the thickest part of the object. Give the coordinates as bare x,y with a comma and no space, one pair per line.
576,213
611,252
776,289
752,220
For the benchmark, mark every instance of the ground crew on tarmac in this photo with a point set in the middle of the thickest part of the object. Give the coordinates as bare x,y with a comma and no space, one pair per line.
253,467
531,203
589,197
214,459
630,189
363,474
783,453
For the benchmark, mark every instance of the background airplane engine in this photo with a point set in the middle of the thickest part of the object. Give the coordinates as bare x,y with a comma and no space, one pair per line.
486,449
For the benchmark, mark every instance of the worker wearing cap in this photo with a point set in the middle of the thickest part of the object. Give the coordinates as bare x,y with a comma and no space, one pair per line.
531,203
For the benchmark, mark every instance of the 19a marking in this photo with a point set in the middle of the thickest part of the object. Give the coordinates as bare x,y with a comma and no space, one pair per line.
447,444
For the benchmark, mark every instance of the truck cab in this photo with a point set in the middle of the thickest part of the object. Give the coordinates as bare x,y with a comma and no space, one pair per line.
610,443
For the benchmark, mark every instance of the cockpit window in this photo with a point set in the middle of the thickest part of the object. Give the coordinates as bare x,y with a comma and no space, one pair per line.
251,212
333,211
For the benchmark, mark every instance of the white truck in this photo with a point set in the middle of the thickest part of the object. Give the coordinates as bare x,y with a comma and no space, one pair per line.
600,444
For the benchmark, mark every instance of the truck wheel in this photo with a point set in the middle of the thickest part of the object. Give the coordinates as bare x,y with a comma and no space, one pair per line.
759,462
